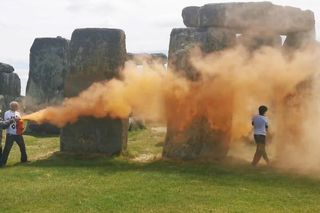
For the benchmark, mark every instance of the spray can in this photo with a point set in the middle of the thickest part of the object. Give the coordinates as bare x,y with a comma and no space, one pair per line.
20,127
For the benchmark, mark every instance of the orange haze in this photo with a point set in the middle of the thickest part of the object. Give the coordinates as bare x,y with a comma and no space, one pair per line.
233,84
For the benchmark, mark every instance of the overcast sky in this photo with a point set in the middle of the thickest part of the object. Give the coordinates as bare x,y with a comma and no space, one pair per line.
147,23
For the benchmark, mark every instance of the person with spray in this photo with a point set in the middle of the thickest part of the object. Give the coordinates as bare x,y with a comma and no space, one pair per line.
260,127
4,125
14,134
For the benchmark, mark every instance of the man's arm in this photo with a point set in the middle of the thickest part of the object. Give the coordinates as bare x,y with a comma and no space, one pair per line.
267,124
6,124
6,116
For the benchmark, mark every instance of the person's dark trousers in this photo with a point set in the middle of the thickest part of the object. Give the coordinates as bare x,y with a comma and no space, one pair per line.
8,145
0,150
0,145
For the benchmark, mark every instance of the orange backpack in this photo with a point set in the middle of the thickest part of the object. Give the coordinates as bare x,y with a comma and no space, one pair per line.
20,127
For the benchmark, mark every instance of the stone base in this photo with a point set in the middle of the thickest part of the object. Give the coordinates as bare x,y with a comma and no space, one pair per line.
91,135
42,129
197,142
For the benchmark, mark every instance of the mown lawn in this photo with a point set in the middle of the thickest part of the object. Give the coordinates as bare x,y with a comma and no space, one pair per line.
141,182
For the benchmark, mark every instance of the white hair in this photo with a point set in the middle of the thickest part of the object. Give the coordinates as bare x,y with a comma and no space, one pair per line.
13,104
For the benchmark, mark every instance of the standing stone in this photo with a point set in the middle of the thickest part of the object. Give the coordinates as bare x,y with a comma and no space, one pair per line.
6,68
2,106
48,66
184,40
198,140
10,86
95,55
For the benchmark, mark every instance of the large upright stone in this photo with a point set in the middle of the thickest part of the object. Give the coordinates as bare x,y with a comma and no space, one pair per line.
252,16
6,68
95,55
48,66
184,40
198,140
10,86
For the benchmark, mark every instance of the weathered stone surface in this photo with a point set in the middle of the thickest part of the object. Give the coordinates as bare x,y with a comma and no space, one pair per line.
140,58
48,66
94,55
198,140
10,84
190,16
253,42
6,68
300,39
184,40
254,16
91,135
2,105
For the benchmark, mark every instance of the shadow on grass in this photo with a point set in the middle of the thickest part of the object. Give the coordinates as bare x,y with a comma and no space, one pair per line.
229,172
39,135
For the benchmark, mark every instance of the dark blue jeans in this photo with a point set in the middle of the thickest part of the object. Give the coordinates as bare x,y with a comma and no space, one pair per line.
8,145
0,144
0,149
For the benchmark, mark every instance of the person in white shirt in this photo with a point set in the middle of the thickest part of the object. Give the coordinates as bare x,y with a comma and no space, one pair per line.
260,127
13,135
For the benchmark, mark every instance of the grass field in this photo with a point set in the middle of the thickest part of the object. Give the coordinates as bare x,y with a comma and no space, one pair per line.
140,181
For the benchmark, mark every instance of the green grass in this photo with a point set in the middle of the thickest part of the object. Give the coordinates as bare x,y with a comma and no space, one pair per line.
55,182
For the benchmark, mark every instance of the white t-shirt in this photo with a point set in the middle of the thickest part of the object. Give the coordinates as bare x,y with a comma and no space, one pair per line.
260,124
7,116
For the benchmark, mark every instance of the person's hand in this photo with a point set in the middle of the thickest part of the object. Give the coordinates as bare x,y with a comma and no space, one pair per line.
17,118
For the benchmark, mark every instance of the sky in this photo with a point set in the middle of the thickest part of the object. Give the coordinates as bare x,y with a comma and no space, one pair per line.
147,23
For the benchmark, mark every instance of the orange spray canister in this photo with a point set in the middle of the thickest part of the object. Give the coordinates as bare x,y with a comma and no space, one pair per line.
20,127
